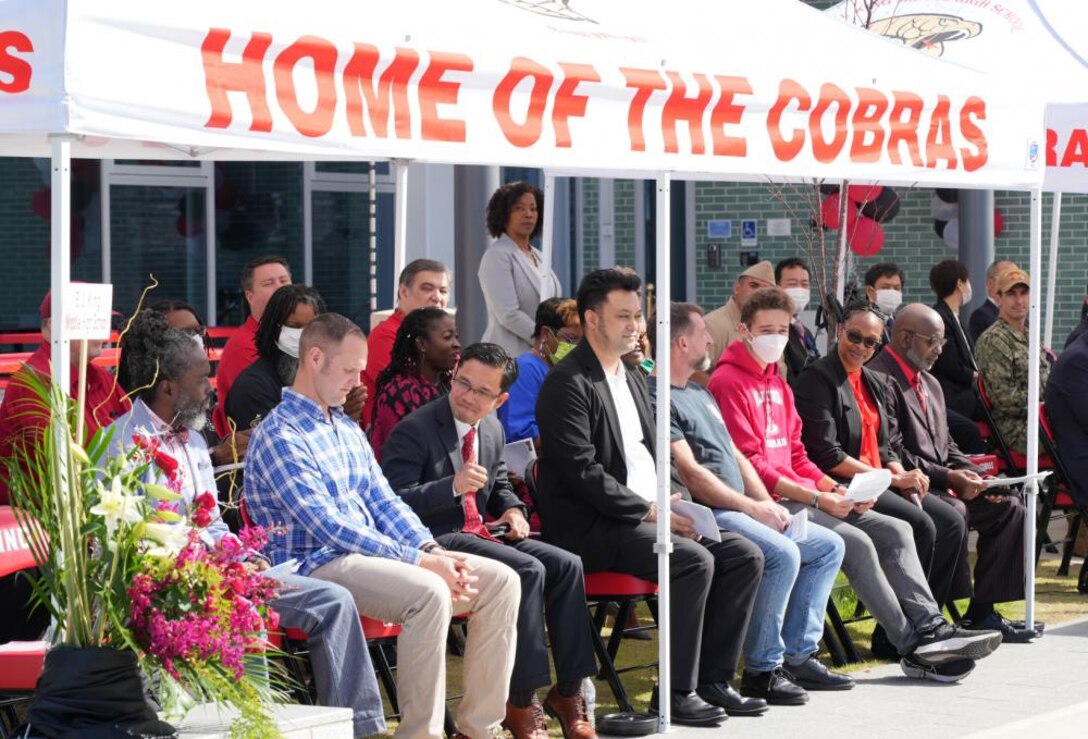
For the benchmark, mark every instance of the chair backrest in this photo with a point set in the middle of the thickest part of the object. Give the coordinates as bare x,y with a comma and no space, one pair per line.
1003,450
15,553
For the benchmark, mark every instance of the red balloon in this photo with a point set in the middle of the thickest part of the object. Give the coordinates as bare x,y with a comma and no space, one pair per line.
999,222
864,193
865,237
832,211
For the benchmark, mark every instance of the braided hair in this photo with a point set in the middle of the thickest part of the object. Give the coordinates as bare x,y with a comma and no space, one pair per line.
405,357
279,308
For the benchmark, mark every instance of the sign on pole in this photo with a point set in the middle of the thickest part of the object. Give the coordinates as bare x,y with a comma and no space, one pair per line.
87,311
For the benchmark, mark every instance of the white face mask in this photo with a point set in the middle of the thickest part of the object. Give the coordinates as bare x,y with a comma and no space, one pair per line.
888,301
198,340
769,347
967,293
800,297
288,340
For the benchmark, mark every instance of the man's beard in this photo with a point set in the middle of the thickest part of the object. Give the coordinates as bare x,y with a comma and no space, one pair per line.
920,362
286,368
192,414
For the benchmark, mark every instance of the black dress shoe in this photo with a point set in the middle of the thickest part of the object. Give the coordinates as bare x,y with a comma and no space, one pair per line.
1010,632
688,709
773,687
735,704
814,675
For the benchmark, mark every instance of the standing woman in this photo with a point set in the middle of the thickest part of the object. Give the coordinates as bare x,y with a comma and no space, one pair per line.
425,353
513,276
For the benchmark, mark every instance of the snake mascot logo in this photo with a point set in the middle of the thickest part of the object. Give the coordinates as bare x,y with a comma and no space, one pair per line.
928,32
550,8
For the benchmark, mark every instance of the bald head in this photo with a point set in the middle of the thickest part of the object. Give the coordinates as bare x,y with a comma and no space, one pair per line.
918,335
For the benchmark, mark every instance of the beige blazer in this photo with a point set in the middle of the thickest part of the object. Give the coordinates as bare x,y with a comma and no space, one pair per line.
512,291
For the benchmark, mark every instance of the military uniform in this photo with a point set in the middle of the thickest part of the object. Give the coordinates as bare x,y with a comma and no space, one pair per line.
1002,356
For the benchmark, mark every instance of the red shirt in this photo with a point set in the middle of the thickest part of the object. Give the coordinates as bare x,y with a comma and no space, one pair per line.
379,350
23,418
239,352
870,421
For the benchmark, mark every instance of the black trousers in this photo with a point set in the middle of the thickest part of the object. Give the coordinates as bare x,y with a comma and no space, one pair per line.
553,591
940,535
713,590
999,569
19,620
965,433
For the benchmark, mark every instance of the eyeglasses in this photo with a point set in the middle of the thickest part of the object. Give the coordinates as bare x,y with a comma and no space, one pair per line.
868,341
931,341
466,386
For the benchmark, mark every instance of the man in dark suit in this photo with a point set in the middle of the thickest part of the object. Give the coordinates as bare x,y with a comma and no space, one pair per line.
1067,406
916,413
983,316
597,491
446,461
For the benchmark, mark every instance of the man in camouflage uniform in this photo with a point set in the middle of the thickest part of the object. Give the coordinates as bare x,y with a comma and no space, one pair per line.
1002,355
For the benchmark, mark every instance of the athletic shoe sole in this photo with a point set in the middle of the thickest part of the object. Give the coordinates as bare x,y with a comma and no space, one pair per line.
976,646
948,672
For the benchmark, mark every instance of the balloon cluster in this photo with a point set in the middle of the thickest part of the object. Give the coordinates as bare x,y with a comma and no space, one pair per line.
869,206
945,209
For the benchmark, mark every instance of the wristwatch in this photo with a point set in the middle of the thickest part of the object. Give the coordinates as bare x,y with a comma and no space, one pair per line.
429,546
816,499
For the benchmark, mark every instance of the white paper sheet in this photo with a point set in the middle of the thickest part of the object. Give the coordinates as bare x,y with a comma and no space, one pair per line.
289,567
868,485
518,455
798,528
701,516
1000,482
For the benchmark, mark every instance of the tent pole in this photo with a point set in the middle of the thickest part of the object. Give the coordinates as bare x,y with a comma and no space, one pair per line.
1052,273
840,257
60,253
1034,332
663,547
400,230
547,234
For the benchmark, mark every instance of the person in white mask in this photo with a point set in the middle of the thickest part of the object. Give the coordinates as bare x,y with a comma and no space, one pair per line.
792,275
258,389
884,286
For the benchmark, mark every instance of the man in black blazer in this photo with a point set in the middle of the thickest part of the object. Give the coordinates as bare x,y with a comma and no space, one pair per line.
916,412
446,461
597,492
1067,407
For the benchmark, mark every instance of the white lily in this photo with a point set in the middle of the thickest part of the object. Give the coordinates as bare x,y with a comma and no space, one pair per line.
115,506
172,538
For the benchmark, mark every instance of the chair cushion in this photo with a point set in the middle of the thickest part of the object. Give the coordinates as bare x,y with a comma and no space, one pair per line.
21,665
618,584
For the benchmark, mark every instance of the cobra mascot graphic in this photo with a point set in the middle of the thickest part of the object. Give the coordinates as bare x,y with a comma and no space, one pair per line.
926,31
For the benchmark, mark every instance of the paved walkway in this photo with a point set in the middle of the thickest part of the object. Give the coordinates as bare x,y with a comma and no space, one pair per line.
1022,690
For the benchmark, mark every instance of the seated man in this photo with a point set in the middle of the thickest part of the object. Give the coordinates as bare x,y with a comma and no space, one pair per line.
311,475
916,409
597,491
1003,357
1067,408
797,576
880,560
420,461
171,406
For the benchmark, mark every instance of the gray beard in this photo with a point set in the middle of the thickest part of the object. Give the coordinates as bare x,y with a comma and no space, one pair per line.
286,368
193,417
918,362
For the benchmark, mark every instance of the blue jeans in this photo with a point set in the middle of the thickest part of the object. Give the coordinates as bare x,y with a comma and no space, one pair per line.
788,615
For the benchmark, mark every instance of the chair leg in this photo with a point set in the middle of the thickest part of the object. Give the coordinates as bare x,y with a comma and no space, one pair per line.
1067,547
834,649
608,673
626,607
385,675
843,635
1041,536
954,612
449,724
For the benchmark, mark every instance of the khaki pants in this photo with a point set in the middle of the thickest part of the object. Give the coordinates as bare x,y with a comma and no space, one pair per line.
420,602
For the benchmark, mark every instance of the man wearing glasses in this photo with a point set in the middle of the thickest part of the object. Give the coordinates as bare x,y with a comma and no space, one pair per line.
881,560
916,413
446,461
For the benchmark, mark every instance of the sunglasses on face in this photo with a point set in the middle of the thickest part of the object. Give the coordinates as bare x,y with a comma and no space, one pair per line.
856,338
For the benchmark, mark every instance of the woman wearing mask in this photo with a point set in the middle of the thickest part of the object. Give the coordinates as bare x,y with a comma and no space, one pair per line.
513,276
424,356
557,331
258,389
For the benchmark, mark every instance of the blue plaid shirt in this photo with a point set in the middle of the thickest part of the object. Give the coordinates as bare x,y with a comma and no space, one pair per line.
312,477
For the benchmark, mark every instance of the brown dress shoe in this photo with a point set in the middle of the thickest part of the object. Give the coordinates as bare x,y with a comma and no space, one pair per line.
526,723
570,713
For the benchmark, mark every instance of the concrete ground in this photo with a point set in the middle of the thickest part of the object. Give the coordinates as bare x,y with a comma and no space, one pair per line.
1022,690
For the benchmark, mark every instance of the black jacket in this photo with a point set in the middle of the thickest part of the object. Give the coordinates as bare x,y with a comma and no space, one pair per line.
421,456
581,486
831,420
955,367
982,318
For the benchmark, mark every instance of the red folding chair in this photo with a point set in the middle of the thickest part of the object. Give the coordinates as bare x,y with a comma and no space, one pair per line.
626,591
20,662
1012,462
1056,495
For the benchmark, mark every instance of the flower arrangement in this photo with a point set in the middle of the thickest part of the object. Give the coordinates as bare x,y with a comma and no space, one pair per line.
121,564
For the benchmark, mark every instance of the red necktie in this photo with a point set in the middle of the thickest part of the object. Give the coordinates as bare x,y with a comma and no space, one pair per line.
474,524
920,392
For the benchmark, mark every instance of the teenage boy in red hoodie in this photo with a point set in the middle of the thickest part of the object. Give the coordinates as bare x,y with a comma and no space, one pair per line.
759,412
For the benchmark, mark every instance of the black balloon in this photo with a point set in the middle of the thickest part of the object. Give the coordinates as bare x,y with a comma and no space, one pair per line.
948,195
884,208
938,226
828,189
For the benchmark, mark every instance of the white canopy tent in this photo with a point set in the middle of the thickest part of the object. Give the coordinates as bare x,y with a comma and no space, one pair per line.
698,89
1027,44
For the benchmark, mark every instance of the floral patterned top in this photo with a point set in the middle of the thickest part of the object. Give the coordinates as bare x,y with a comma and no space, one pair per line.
401,395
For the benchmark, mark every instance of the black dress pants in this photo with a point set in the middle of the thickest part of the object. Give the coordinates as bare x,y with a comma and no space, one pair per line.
553,591
940,535
999,569
713,590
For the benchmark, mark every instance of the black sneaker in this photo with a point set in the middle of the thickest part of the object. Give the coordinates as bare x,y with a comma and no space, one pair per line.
773,687
951,671
1010,632
814,675
948,642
